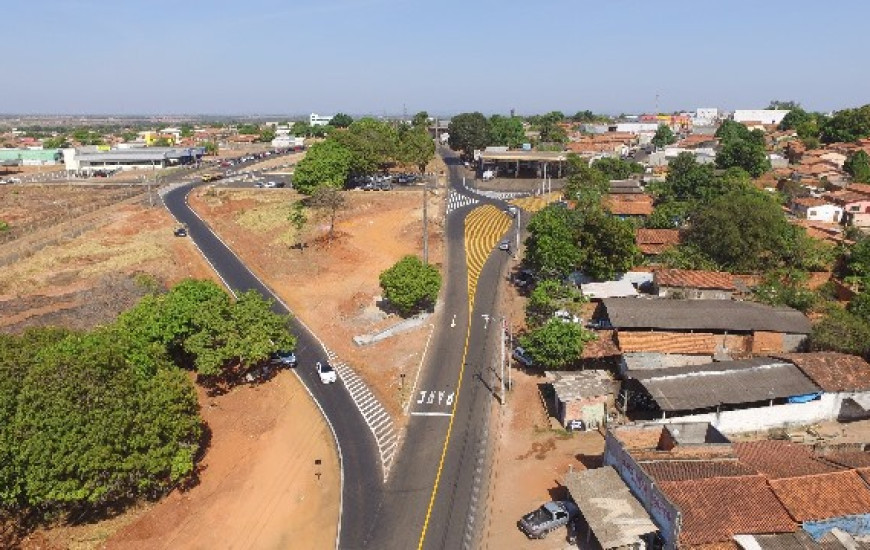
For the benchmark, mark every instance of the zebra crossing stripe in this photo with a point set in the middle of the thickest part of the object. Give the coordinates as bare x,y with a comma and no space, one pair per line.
456,201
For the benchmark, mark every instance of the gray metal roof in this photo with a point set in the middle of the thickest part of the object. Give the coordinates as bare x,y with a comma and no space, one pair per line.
148,154
724,383
723,315
614,515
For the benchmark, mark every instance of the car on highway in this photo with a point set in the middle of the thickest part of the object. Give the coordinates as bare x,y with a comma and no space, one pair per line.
522,357
504,245
326,372
270,185
180,232
550,516
284,357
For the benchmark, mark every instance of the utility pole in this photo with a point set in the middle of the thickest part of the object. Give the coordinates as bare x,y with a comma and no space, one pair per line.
501,337
519,223
510,347
426,222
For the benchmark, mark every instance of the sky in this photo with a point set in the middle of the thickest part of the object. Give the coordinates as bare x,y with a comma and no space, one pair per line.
393,56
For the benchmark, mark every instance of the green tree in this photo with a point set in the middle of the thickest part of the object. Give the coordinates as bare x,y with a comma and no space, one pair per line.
550,296
608,245
860,305
551,132
730,130
58,142
585,184
186,131
786,287
858,166
687,256
668,215
742,231
249,129
421,120
842,331
416,147
556,344
325,163
267,134
211,147
372,143
467,132
341,120
744,154
687,180
846,125
298,219
301,129
615,168
779,105
410,285
552,247
794,118
506,131
664,136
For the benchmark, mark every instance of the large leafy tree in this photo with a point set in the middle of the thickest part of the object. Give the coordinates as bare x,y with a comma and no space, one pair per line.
846,125
843,331
341,120
742,231
91,430
556,344
615,168
410,285
325,163
420,120
507,131
372,143
858,166
468,131
549,296
608,245
744,154
551,132
416,147
687,180
794,118
552,247
663,136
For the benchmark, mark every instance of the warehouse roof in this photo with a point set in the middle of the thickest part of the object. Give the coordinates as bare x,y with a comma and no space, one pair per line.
541,156
703,315
723,383
135,154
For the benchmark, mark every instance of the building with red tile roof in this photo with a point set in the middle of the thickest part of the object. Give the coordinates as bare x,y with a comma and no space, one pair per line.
782,459
823,496
653,242
715,509
693,284
833,372
634,205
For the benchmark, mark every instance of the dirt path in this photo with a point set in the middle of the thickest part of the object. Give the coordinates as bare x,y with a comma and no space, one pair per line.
259,487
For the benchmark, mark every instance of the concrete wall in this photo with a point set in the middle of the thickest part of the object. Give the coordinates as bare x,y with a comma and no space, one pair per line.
764,418
663,512
592,411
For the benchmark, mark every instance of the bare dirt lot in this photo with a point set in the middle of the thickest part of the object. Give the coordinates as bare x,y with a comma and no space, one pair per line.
333,285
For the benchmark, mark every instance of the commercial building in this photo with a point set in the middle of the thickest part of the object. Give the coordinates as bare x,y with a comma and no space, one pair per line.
31,157
767,117
319,120
89,160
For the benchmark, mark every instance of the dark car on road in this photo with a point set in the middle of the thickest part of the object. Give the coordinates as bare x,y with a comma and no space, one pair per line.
284,357
550,516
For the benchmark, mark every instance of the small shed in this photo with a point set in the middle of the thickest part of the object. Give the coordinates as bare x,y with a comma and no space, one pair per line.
613,515
582,399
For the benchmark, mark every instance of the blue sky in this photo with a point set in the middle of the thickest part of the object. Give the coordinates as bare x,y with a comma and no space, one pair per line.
383,56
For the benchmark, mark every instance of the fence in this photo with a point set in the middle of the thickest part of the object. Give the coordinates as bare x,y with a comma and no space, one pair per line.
29,239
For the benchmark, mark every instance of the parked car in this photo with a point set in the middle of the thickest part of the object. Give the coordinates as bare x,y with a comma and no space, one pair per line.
566,316
270,185
504,245
326,372
521,356
285,357
512,211
550,516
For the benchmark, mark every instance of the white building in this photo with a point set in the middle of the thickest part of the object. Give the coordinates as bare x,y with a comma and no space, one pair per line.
768,117
637,127
705,116
319,120
816,209
91,159
286,141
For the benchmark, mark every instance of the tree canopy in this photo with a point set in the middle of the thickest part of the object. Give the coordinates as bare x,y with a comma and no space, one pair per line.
420,120
556,344
506,131
615,168
858,166
372,144
663,136
416,147
467,132
846,125
341,120
741,148
410,285
325,163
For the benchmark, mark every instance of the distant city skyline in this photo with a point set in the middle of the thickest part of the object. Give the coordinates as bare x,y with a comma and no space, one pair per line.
388,56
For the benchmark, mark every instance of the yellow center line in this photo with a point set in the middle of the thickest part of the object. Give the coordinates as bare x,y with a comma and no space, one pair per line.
492,223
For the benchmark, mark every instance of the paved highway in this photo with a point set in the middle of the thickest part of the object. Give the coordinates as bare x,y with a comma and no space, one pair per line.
435,494
361,467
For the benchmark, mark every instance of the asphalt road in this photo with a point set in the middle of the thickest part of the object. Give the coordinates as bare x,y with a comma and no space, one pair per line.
360,463
456,385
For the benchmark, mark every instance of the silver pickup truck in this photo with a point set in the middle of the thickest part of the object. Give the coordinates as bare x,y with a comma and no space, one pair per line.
550,516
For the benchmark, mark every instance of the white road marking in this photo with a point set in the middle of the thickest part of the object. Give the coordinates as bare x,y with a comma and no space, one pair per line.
428,413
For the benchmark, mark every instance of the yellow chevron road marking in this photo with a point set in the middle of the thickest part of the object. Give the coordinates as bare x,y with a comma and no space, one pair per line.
534,204
484,226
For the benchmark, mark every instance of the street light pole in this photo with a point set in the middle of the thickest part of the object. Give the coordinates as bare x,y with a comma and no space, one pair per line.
426,223
501,337
519,222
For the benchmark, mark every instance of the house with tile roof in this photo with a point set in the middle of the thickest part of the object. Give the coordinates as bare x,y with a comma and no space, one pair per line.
653,242
703,491
693,284
625,206
816,209
855,203
846,378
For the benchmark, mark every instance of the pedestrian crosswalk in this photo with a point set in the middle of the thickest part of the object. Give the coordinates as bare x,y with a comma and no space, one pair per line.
499,195
456,201
376,417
